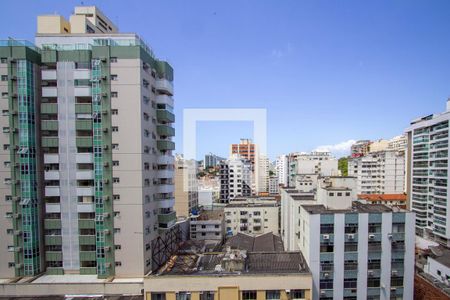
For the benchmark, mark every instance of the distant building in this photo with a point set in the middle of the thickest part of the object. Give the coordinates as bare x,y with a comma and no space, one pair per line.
186,187
252,215
317,162
428,175
208,225
398,143
211,160
235,179
273,185
438,264
282,169
381,172
378,145
360,148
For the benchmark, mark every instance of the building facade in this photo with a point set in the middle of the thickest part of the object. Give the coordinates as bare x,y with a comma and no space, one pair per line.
235,178
274,185
70,162
428,175
211,160
381,172
282,169
360,148
366,252
186,187
316,162
252,215
208,225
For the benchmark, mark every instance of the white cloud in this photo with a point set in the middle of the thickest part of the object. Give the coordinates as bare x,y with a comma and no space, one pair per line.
339,149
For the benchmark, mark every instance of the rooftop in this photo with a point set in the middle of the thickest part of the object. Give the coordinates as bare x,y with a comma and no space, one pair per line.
261,243
357,207
206,215
382,197
441,255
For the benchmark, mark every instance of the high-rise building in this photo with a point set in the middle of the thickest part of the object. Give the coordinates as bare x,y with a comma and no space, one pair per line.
360,148
211,160
235,178
428,175
282,169
381,172
87,151
316,162
245,149
186,187
273,185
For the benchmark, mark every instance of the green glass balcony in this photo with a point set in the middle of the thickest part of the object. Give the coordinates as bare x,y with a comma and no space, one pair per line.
50,142
83,108
165,130
167,218
84,141
49,125
86,224
87,239
165,116
165,145
87,255
49,108
88,271
53,256
52,224
83,124
53,240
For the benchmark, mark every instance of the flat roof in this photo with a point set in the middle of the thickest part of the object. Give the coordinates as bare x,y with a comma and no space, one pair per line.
275,204
356,208
441,255
261,243
382,197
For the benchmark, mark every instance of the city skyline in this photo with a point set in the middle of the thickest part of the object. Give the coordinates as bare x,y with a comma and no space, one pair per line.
325,62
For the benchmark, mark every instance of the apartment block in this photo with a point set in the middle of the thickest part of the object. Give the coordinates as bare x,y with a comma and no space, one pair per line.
381,172
208,225
365,252
252,215
274,185
186,187
282,169
317,162
87,151
235,178
428,175
211,160
360,148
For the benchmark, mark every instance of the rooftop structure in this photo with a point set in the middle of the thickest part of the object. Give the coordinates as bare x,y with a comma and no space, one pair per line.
261,243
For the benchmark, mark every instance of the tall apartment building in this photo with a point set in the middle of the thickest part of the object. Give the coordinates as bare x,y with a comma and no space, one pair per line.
252,215
235,178
282,169
186,187
87,139
360,148
211,160
398,143
316,162
273,185
365,252
428,175
381,172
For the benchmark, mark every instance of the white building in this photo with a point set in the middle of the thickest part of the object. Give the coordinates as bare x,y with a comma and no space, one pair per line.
398,143
316,162
282,169
273,185
235,178
366,252
208,225
381,172
428,175
252,215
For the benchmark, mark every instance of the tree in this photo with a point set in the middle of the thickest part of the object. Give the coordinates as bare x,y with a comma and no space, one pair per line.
343,165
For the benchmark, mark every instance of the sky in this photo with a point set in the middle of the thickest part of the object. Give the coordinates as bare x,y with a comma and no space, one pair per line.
327,72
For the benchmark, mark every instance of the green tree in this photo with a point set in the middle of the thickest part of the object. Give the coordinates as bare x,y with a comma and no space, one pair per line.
343,165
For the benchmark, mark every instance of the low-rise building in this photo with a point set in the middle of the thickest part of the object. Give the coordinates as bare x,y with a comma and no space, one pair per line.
252,215
208,225
232,274
386,199
438,264
366,252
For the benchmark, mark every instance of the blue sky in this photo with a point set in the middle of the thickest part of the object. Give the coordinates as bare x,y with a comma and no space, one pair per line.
326,71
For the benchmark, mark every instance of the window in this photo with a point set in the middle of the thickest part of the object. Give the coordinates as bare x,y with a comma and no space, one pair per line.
350,283
118,247
115,146
270,295
8,198
339,194
326,284
183,296
207,295
116,230
297,294
114,94
113,77
331,194
113,59
397,281
5,112
116,179
326,228
158,296
116,214
5,129
114,111
347,194
248,295
118,263
116,197
115,163
115,129
438,272
4,77
3,60
4,95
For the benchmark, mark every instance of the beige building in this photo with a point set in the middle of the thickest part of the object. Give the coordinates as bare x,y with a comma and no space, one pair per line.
208,225
186,187
252,215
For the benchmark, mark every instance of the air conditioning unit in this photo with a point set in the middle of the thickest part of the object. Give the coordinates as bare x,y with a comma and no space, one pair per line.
326,236
351,236
389,236
393,289
326,274
371,236
394,272
370,273
322,292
